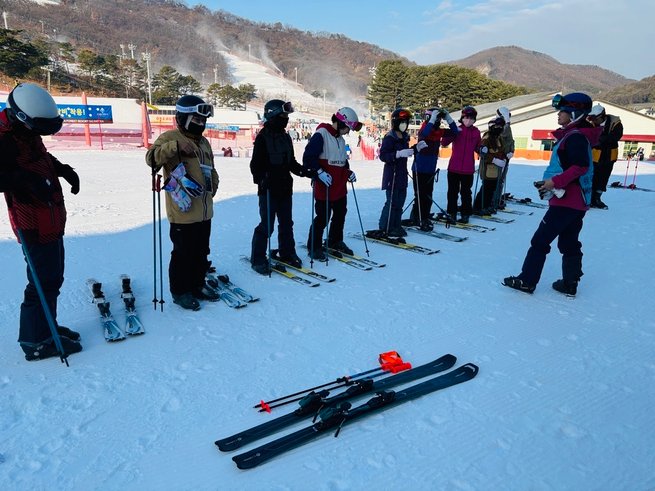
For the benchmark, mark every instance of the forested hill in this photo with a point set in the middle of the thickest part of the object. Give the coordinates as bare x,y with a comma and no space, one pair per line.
539,71
190,39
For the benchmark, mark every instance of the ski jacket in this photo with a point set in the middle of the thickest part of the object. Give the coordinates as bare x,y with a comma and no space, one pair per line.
327,150
494,143
165,154
39,215
273,160
466,141
570,165
425,161
607,149
394,175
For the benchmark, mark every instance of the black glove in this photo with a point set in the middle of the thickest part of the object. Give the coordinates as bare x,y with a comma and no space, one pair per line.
26,184
67,172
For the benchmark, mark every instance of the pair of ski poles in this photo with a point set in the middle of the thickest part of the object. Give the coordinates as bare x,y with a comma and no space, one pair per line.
390,362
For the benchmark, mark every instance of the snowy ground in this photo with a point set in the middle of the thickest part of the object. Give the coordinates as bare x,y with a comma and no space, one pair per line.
563,399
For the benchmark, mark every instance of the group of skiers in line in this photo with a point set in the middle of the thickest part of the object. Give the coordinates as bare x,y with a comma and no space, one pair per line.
29,178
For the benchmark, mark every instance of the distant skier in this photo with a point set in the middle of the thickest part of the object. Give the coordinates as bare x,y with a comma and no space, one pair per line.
461,167
272,163
191,181
29,178
326,155
605,153
567,185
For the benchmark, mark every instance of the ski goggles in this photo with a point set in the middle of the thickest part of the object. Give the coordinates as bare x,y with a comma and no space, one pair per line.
353,125
204,110
559,102
285,108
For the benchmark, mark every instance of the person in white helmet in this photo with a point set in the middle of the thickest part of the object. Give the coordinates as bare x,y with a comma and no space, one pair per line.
507,140
29,179
326,155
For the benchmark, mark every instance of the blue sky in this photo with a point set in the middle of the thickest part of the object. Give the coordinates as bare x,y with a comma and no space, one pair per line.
588,32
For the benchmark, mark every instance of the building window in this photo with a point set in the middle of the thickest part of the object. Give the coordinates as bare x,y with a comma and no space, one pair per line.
521,142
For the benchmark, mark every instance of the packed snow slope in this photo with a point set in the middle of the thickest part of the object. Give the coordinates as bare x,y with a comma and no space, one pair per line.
563,399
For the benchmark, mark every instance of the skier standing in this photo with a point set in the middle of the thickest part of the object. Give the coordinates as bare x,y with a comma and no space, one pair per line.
493,160
425,164
326,156
507,140
461,167
29,178
567,185
191,181
273,160
394,152
605,153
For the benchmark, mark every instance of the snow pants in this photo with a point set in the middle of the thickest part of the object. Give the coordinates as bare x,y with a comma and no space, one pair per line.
460,184
602,172
48,261
423,187
188,266
336,211
564,224
280,207
392,210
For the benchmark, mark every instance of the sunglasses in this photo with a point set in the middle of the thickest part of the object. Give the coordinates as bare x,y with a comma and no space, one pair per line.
205,110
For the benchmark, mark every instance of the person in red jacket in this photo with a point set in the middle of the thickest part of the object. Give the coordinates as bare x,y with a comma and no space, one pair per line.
461,167
327,157
29,179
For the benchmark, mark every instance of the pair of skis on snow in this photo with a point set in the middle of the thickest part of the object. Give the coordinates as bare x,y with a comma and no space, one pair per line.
234,297
112,331
332,412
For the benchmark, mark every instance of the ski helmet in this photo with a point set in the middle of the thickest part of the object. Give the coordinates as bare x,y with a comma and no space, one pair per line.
398,116
469,112
35,108
597,111
189,106
348,117
504,113
276,107
576,104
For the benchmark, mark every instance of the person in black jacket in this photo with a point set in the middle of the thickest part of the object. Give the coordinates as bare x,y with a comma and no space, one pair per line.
605,153
273,160
29,178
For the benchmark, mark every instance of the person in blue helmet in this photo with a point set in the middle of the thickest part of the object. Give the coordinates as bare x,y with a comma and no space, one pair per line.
567,185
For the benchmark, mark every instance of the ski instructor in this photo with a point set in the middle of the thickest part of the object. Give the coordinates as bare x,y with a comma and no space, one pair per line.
29,178
190,182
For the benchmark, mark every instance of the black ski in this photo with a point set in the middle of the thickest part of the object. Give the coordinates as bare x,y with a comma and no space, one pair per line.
634,187
315,401
464,226
133,325
335,417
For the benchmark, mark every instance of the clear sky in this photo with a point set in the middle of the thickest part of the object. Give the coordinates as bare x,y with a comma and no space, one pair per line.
613,34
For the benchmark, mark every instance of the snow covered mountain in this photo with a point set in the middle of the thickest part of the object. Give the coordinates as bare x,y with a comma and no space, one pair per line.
563,399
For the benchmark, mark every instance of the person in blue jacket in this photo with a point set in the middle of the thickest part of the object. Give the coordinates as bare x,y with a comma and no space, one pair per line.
425,164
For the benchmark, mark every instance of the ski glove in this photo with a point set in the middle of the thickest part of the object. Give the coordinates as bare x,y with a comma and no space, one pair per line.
193,188
178,194
421,145
484,150
352,177
498,162
510,155
408,152
447,117
434,116
71,177
324,177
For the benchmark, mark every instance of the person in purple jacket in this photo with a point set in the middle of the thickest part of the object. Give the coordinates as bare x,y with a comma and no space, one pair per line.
394,152
567,186
461,167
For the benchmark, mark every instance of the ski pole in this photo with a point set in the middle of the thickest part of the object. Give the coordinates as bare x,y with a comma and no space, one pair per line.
447,217
327,223
161,264
389,362
393,185
268,230
311,229
634,177
44,303
361,225
627,168
154,240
